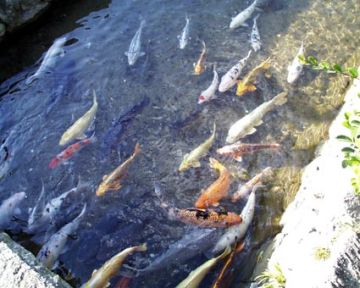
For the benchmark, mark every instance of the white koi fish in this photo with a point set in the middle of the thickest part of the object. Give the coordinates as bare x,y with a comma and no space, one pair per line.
134,51
246,125
9,208
209,93
49,60
296,67
77,130
239,19
52,249
230,78
184,36
237,232
255,36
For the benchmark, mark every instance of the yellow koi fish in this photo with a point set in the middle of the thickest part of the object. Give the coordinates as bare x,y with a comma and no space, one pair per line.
113,181
77,130
100,278
199,67
195,277
246,85
218,189
192,159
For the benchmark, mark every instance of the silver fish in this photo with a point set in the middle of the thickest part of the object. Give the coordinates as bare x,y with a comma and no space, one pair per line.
296,67
134,51
237,232
52,249
230,78
255,36
246,125
239,19
209,93
184,37
50,58
9,208
35,210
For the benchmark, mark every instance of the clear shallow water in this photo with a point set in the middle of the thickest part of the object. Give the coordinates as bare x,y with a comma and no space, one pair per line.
34,117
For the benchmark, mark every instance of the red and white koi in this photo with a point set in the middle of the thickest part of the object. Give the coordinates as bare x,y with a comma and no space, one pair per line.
209,93
70,151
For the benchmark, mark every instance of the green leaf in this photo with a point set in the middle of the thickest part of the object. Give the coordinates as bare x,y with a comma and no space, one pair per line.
353,72
355,122
344,163
346,124
344,138
338,68
347,115
348,150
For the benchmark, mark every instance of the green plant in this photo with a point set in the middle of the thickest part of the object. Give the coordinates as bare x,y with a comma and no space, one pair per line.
321,253
272,278
328,67
352,150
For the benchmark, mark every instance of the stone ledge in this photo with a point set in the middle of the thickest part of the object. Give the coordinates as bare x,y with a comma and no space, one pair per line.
20,269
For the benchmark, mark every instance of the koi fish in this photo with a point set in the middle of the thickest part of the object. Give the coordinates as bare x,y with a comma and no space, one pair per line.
10,207
113,181
52,249
207,218
239,19
245,189
209,93
35,210
51,208
238,149
196,276
199,67
49,60
230,258
255,36
70,151
184,37
77,130
230,78
192,159
237,232
123,282
100,278
217,190
134,51
296,67
246,85
246,125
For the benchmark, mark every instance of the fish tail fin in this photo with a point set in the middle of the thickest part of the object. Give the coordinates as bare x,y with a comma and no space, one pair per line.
281,98
137,149
204,45
54,163
226,252
94,97
82,212
187,17
216,165
256,17
142,21
214,66
141,248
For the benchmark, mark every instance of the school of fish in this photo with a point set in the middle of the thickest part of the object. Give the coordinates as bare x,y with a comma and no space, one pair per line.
207,214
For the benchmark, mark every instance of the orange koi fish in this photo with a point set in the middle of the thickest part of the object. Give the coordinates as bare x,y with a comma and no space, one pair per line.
206,217
238,149
220,279
218,189
247,84
70,151
113,181
245,189
199,67
201,217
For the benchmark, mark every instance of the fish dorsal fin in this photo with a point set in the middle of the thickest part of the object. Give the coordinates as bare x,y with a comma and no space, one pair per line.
238,157
92,274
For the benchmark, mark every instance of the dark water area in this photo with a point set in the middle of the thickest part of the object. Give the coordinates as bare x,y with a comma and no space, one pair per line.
153,103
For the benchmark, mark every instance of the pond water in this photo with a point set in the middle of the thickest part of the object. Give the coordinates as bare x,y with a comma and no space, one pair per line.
161,92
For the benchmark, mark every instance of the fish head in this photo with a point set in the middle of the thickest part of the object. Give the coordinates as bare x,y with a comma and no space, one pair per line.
17,198
185,164
102,189
201,99
198,69
65,138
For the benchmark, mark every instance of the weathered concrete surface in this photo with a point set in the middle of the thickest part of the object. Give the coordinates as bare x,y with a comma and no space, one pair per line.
324,215
20,269
15,13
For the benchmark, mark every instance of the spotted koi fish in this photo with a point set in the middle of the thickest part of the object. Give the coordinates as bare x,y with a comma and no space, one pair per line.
199,67
238,149
70,151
